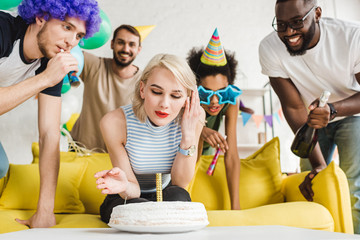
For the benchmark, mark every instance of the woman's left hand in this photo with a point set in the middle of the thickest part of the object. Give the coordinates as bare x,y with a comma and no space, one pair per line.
191,116
111,181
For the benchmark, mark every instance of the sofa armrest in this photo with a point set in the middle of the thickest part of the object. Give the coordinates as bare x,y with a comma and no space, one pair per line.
331,190
3,182
2,185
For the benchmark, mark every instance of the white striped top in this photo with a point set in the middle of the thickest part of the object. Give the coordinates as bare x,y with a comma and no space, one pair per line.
150,149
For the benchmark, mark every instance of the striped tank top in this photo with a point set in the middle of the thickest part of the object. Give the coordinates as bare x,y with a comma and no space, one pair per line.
150,149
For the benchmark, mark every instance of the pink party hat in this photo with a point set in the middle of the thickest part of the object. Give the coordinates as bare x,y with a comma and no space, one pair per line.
214,53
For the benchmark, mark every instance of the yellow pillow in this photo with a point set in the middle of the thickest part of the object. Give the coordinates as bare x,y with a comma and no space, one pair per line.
64,156
260,180
90,196
22,188
331,190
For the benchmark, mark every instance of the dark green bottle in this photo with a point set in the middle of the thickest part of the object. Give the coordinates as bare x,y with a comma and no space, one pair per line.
306,137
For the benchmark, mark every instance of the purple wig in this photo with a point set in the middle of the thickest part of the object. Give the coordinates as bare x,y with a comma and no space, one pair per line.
86,10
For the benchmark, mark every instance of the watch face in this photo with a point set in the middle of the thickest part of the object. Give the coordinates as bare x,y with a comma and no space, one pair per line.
191,150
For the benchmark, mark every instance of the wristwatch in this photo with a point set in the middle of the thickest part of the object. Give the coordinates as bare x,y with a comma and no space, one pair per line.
333,111
187,152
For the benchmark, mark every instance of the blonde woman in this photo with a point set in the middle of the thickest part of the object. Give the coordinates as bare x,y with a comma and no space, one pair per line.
159,133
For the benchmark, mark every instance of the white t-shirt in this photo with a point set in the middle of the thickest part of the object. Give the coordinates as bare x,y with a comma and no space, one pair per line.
331,65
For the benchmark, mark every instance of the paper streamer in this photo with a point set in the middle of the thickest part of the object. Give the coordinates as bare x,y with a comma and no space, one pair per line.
269,120
276,115
258,119
280,114
245,117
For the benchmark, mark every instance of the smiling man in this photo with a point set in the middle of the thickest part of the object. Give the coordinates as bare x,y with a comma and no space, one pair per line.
34,58
304,56
109,83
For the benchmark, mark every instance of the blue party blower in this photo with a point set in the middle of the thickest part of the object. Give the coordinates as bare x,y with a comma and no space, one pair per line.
72,79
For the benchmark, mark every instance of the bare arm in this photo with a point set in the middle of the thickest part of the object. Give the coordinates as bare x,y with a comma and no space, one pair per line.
124,182
295,113
232,161
49,137
183,167
200,148
57,68
12,96
349,106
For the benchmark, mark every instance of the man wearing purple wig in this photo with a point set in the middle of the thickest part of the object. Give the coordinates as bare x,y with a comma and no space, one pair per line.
34,58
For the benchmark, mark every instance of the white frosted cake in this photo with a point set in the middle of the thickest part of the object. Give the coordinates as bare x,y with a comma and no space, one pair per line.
150,215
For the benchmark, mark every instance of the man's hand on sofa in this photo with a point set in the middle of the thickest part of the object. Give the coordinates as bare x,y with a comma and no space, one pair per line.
39,220
306,186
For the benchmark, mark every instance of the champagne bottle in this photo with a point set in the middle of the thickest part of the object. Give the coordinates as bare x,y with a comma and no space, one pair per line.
306,137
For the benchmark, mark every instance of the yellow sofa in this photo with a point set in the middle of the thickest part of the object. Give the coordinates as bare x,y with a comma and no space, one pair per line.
266,196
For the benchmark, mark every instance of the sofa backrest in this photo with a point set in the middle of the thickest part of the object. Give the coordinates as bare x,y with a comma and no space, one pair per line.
260,180
89,195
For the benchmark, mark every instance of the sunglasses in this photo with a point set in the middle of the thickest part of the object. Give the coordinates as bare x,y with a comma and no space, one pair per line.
226,95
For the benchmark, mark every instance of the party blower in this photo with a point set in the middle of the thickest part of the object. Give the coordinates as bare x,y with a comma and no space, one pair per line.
72,78
212,165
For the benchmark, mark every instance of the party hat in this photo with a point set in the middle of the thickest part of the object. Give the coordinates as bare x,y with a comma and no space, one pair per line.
144,30
214,53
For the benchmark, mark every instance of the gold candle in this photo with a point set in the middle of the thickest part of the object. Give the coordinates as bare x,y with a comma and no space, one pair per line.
159,196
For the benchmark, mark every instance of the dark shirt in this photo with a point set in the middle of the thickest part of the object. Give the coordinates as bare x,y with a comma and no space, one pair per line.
13,66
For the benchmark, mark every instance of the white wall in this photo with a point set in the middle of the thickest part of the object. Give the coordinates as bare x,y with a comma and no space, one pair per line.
180,25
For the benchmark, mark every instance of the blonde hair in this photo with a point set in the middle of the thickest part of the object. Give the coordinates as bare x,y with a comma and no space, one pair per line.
177,66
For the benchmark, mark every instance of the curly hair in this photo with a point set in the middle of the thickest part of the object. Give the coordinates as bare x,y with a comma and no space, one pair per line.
202,70
86,10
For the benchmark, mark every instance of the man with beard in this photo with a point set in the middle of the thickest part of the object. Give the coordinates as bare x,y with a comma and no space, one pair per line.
34,58
306,55
108,84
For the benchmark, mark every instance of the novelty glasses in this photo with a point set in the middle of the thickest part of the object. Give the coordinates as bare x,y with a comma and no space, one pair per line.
226,95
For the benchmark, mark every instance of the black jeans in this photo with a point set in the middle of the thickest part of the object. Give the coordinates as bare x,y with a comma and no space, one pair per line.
170,193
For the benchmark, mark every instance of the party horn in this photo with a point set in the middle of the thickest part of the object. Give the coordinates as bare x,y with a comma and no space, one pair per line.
212,165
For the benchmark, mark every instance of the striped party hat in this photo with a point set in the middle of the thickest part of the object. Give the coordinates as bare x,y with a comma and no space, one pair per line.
214,53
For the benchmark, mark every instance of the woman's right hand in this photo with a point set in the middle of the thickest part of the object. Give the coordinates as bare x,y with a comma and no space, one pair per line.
214,138
112,181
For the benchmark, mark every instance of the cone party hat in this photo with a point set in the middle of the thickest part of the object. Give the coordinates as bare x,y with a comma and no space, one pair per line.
214,54
144,30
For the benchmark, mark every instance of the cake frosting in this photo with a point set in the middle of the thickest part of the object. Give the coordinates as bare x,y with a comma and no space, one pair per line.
160,214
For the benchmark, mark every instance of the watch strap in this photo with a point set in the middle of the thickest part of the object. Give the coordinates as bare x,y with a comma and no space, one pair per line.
183,151
333,111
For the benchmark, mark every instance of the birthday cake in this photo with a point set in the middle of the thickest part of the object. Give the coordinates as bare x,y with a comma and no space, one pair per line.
160,214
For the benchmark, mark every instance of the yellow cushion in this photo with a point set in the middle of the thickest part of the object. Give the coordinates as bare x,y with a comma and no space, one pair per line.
22,188
64,156
8,223
331,190
294,214
92,197
260,180
79,221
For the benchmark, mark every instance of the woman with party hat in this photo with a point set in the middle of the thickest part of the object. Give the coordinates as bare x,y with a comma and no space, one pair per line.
215,71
